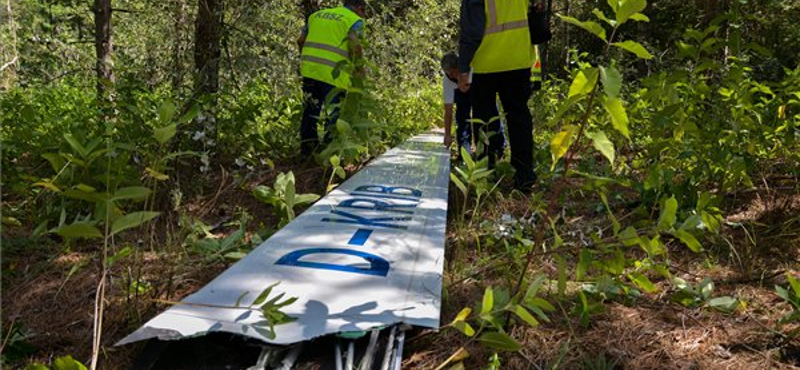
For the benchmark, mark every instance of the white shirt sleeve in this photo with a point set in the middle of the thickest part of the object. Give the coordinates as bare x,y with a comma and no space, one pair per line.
449,88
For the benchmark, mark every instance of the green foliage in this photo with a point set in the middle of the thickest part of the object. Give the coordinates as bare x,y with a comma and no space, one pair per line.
60,363
600,362
15,344
282,195
269,309
701,294
493,311
792,296
204,242
472,177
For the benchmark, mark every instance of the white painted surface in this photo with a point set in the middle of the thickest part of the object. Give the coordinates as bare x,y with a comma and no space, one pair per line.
410,238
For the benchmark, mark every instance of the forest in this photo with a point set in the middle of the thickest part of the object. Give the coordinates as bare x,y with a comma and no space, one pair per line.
147,145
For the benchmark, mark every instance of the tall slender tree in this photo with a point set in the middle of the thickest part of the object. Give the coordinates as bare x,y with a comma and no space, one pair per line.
208,27
103,45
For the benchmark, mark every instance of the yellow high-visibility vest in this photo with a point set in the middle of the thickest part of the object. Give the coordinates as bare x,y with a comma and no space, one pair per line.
506,44
327,44
536,70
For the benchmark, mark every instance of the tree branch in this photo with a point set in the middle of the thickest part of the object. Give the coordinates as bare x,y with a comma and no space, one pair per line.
13,61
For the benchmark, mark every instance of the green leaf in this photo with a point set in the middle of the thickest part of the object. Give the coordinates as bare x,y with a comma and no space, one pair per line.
523,314
467,158
231,240
543,304
614,4
76,146
689,240
342,126
463,314
266,333
562,275
628,8
67,363
156,175
561,143
619,118
500,341
488,301
305,198
634,47
612,81
601,142
590,26
131,192
668,217
166,133
640,17
584,82
706,288
534,288
132,220
794,283
465,328
241,296
723,304
264,294
37,367
565,107
584,262
165,113
643,282
599,14
459,184
122,253
79,230
47,185
56,161
628,237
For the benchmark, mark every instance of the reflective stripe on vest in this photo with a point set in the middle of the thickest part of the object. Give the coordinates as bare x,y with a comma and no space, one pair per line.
506,43
327,45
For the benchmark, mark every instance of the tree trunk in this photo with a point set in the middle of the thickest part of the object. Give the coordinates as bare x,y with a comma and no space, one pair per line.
544,53
178,47
207,46
103,47
566,34
8,68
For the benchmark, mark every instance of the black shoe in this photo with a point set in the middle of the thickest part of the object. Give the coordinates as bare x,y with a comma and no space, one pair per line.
525,185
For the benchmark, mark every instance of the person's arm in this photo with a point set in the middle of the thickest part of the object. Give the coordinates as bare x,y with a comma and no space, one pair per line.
473,24
302,39
353,38
355,44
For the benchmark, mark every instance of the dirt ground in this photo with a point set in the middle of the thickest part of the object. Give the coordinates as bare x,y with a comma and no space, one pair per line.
52,301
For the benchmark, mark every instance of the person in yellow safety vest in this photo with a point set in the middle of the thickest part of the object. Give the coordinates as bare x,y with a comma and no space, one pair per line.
495,45
329,38
536,71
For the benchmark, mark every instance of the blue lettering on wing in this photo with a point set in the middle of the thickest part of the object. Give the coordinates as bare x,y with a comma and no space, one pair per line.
375,222
403,191
360,237
376,205
377,265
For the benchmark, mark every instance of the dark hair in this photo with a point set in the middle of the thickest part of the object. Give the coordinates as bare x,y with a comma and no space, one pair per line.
450,60
355,3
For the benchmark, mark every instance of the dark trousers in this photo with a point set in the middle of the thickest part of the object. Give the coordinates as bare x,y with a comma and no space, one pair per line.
463,110
464,128
317,95
514,89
